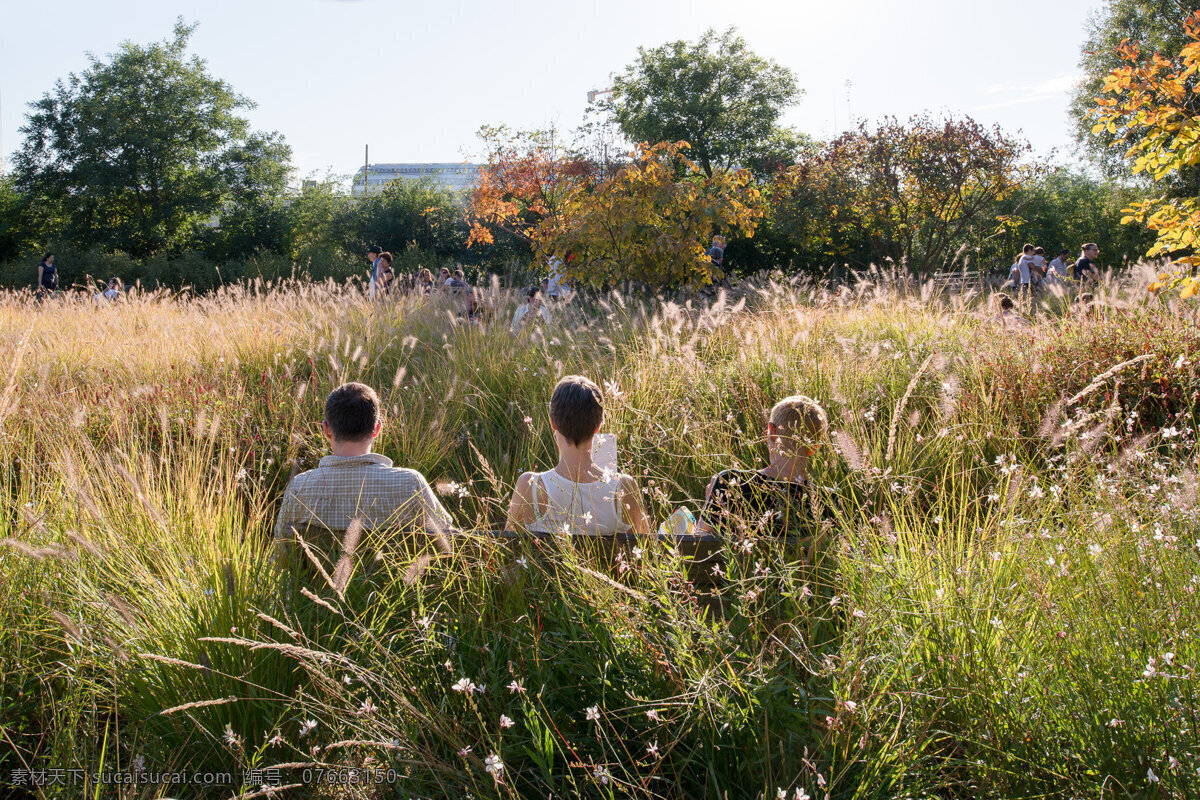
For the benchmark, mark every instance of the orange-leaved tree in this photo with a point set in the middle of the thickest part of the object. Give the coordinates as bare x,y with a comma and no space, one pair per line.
523,183
1154,108
651,222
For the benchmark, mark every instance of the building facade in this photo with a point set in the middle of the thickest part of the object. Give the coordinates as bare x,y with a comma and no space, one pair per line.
457,177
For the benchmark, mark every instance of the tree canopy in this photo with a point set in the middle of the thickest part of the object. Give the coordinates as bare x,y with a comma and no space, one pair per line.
716,94
140,148
912,192
1155,26
648,224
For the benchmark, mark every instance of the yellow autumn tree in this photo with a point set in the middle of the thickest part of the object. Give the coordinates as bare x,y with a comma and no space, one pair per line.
651,222
1153,106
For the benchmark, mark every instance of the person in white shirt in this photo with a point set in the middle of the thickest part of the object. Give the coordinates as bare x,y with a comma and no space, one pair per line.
533,304
111,292
578,496
1060,267
554,279
1024,264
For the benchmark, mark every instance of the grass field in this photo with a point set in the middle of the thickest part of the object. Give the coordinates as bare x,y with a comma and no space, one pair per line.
1006,606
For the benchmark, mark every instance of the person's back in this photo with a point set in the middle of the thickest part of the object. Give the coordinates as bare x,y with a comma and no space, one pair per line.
356,484
577,496
590,507
746,500
774,500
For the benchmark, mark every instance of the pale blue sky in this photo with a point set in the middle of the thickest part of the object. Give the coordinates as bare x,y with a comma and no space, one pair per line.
416,79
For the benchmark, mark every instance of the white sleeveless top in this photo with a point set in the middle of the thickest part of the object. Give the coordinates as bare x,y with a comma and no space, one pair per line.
588,509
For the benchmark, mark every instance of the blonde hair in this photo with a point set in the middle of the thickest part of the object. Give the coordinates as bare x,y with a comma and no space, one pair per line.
799,419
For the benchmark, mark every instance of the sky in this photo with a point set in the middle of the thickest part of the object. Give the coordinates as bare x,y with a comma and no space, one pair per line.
416,80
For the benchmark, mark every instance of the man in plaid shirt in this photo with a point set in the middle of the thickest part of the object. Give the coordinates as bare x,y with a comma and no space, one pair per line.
355,484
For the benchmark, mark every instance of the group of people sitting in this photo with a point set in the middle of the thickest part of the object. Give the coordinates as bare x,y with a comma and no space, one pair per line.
583,494
1030,270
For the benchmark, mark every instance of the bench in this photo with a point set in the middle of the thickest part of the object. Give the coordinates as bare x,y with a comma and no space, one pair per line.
701,551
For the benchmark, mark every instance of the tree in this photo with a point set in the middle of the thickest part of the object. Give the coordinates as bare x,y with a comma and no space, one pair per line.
1155,26
140,148
1153,110
646,223
914,193
523,182
715,94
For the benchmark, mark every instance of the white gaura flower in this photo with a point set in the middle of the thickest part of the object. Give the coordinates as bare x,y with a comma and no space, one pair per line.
307,726
516,688
464,684
493,765
593,713
506,721
612,391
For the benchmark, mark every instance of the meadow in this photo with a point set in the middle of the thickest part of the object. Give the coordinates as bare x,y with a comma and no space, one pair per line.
1003,606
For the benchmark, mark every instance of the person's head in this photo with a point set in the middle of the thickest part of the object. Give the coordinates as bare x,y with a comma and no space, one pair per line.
114,283
48,258
352,414
373,253
1039,251
533,297
1027,249
1005,302
1064,253
1091,250
796,427
386,258
424,275
445,273
458,275
576,410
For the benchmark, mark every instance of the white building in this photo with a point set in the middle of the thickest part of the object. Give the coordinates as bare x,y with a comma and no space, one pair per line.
455,177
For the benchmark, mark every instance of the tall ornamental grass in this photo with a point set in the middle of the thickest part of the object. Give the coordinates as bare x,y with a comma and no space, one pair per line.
1001,603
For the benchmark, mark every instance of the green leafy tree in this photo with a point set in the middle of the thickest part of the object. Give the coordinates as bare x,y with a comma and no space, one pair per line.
1155,26
919,192
139,149
716,94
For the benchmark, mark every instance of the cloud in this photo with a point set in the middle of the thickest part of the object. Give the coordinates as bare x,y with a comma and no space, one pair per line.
1057,87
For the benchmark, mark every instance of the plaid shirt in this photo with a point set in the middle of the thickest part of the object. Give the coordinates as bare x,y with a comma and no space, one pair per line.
367,488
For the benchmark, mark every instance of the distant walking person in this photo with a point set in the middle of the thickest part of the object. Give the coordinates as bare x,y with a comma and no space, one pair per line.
716,254
1025,266
373,255
383,284
1085,268
47,279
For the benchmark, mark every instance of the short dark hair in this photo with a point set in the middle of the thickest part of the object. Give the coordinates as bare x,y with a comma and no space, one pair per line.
458,273
1006,303
1064,252
1026,248
577,409
352,411
386,256
48,255
533,292
376,249
1039,251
